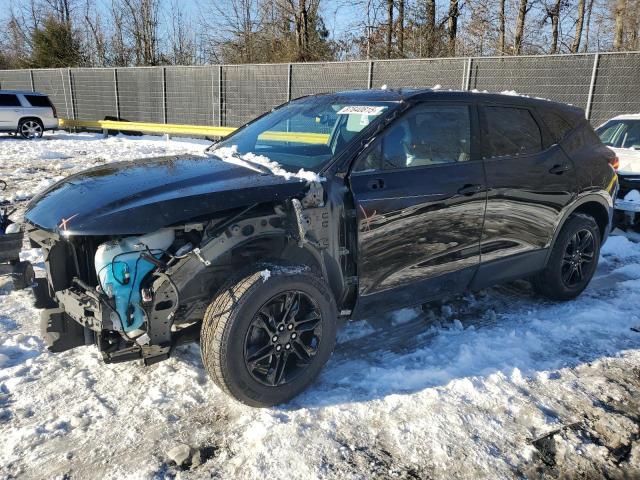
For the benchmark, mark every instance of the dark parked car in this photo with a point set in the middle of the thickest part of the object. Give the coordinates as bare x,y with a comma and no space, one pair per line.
379,200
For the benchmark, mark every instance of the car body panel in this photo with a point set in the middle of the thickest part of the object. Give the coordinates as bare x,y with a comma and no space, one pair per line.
136,197
417,229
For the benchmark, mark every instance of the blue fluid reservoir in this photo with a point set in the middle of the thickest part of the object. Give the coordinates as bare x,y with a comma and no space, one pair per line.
121,269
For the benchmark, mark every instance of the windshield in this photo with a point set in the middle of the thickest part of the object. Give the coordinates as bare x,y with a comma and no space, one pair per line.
621,134
304,134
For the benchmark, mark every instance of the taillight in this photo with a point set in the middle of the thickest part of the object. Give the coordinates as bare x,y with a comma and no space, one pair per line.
53,107
614,162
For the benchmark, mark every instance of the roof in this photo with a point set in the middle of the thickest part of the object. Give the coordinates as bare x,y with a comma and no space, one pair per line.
22,92
418,94
627,116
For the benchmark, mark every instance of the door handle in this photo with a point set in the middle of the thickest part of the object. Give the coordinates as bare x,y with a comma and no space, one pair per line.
376,184
470,189
560,169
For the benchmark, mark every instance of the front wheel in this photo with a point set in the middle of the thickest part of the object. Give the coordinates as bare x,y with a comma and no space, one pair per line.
573,260
266,335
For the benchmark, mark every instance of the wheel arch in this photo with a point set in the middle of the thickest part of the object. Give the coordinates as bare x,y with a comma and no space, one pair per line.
31,117
599,206
281,248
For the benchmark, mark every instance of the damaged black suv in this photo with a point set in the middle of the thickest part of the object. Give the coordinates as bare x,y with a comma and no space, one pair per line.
327,208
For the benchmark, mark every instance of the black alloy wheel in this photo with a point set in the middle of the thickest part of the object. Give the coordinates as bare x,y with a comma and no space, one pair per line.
283,338
572,261
264,338
578,256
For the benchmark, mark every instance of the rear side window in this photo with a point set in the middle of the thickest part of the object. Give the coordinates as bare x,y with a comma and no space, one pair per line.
8,100
510,131
557,125
38,100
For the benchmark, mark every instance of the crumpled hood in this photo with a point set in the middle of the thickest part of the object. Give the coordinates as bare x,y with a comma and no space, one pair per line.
144,195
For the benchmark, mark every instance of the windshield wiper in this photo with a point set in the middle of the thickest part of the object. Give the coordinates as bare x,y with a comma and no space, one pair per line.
258,166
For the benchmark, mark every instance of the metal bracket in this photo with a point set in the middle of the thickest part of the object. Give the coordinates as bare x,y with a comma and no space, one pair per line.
198,253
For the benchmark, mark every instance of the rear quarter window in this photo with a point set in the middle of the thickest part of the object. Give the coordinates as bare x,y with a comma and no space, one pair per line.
557,125
9,100
510,131
38,100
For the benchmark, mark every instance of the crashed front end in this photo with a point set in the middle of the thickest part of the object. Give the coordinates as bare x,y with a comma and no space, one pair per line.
109,292
139,296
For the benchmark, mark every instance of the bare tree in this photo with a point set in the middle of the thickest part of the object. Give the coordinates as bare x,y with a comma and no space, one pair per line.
501,28
389,27
575,46
619,12
142,24
182,44
520,22
95,44
430,26
400,27
585,48
454,13
553,13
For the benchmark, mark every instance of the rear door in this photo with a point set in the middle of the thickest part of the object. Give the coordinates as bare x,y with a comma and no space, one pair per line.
530,181
10,109
419,191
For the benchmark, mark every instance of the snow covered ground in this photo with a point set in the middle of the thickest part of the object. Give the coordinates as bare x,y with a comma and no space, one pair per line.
499,384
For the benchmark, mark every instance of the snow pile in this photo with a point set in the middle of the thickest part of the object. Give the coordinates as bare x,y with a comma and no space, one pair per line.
250,160
30,167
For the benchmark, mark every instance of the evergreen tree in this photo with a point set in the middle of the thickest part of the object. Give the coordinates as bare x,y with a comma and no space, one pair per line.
55,45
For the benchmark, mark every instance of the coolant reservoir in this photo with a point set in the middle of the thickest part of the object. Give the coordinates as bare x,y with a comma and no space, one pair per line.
121,269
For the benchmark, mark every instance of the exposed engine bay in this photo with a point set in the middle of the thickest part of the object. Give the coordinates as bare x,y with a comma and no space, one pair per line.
139,296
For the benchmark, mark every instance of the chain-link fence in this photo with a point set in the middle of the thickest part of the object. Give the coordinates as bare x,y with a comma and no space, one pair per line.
605,85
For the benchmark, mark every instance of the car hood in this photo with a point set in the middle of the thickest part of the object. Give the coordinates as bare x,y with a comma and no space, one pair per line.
144,195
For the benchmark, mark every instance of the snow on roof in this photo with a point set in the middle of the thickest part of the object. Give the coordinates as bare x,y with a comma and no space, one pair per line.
627,116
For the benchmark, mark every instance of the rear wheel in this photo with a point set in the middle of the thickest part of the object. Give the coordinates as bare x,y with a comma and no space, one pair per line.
30,128
573,260
265,337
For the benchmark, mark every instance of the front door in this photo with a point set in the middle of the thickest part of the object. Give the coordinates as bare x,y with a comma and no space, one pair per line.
420,197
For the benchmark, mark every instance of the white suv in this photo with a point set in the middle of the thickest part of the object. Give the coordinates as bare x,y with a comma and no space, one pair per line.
28,114
622,135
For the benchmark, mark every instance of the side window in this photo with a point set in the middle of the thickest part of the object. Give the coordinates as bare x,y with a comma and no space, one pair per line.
426,135
510,131
38,100
8,100
558,126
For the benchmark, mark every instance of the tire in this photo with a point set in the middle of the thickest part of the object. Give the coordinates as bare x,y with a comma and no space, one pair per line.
30,128
578,241
244,323
23,275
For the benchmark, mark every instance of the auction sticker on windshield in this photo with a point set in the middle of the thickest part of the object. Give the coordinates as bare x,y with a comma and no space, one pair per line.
362,110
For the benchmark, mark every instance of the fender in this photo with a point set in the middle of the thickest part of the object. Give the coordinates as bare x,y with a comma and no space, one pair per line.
601,197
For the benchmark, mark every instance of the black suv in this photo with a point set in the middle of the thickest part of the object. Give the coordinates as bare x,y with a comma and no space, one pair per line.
327,208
